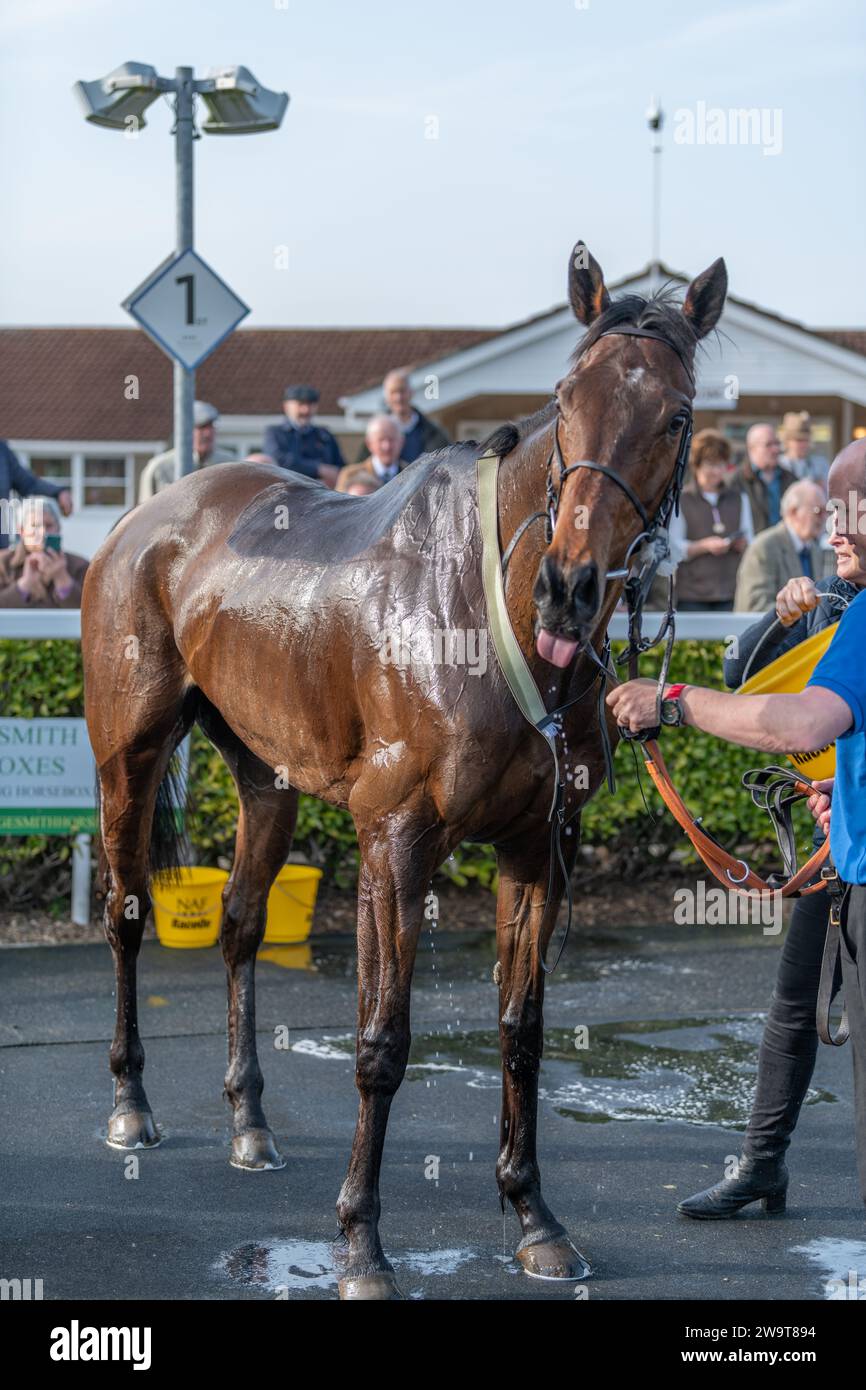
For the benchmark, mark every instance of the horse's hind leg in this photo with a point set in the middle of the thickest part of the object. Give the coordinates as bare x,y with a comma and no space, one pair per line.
545,1250
265,828
128,783
398,860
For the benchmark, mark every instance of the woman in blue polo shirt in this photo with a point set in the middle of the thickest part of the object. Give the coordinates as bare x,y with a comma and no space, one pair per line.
832,708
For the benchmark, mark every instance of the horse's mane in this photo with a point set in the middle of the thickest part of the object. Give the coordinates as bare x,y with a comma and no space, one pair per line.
660,312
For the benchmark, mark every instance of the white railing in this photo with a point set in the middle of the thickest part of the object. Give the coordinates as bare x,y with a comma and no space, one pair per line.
66,622
42,623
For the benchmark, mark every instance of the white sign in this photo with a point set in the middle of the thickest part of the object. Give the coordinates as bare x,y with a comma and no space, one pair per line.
47,777
186,308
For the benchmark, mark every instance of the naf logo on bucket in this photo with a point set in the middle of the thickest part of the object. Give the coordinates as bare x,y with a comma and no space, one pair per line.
77,1343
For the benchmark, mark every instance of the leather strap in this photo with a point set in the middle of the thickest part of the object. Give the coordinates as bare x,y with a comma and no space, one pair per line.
838,892
733,873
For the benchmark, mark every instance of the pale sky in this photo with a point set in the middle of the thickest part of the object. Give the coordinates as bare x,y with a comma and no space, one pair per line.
542,139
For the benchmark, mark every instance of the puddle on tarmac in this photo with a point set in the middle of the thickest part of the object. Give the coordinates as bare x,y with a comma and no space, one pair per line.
470,957
699,1071
842,1265
298,1265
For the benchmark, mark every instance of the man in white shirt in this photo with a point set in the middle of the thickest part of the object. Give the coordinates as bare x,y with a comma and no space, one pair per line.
384,441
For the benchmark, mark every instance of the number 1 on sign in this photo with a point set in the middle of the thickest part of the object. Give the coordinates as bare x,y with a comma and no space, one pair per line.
189,282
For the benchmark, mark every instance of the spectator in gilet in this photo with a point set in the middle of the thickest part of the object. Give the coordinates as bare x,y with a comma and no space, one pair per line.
762,478
712,530
784,552
421,435
38,572
798,457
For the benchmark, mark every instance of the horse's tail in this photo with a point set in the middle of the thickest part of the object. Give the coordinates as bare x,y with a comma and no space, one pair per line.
169,844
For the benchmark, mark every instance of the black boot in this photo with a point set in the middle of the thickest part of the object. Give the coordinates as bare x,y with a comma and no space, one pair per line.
758,1179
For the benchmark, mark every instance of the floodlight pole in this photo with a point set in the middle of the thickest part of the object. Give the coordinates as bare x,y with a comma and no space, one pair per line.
184,379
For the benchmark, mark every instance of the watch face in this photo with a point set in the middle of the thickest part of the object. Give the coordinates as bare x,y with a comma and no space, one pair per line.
670,712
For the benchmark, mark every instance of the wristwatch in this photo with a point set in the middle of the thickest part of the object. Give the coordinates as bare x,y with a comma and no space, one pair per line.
671,711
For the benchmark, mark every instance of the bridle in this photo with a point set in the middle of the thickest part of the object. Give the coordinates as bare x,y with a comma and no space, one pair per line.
649,549
773,789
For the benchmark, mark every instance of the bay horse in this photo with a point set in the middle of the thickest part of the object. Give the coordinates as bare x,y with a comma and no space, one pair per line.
260,605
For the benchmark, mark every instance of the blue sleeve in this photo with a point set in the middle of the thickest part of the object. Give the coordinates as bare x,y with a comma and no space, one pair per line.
271,445
25,483
841,668
336,457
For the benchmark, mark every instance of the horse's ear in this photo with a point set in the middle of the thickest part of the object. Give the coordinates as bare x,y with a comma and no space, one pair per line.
705,298
586,288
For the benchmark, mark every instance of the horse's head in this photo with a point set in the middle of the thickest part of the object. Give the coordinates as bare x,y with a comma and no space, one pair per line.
622,409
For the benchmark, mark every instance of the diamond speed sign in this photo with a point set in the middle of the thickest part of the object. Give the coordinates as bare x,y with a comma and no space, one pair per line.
186,308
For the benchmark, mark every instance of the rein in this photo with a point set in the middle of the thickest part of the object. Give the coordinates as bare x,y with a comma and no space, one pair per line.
774,789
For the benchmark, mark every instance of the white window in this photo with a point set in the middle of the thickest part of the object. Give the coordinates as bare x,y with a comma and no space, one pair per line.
99,475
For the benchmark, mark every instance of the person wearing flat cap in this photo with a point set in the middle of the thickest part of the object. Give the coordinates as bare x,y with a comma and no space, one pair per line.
160,471
301,446
798,457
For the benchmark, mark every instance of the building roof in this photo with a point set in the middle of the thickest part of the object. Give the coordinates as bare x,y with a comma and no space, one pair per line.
74,383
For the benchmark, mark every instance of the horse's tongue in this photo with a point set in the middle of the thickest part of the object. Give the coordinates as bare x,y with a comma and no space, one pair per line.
557,650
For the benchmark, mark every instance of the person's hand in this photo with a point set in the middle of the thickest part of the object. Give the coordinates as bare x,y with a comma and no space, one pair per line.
819,803
64,501
329,473
634,704
53,569
714,545
799,596
30,581
739,545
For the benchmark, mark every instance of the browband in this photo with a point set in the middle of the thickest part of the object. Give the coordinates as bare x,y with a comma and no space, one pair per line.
634,332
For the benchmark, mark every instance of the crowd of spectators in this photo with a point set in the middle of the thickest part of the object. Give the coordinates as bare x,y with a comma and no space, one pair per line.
744,528
744,531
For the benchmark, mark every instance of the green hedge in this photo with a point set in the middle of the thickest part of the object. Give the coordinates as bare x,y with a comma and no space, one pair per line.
44,678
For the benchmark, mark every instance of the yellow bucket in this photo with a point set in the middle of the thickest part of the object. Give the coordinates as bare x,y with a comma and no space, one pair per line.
290,904
187,906
788,675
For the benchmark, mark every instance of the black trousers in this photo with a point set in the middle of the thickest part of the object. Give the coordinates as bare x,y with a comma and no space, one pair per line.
853,935
786,1059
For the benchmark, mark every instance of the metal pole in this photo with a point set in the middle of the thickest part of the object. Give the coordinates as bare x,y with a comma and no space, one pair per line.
184,380
657,202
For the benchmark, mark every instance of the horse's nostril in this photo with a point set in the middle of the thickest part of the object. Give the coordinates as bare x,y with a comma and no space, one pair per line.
549,587
584,591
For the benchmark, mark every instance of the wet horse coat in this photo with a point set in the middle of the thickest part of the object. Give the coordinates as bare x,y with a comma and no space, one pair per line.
319,641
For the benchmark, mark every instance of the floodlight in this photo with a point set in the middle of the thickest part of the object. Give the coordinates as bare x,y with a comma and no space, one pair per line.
237,104
121,97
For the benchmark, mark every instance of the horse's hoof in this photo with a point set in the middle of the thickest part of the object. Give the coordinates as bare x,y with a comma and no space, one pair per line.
256,1151
378,1287
554,1259
133,1129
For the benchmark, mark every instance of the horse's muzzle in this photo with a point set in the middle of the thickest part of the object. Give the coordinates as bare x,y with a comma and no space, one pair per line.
567,601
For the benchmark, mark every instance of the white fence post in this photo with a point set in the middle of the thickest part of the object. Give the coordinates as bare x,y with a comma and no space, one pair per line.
81,880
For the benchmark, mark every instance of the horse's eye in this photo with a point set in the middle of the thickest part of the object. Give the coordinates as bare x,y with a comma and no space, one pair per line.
676,424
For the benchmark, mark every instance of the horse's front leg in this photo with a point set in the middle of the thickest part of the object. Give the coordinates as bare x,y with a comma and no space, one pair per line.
398,860
546,1251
